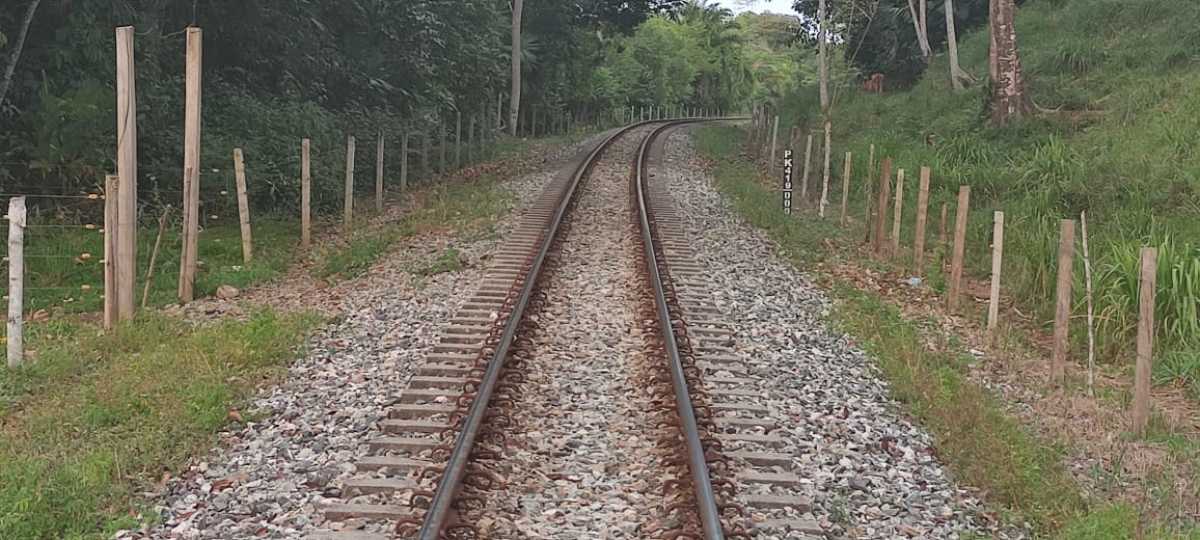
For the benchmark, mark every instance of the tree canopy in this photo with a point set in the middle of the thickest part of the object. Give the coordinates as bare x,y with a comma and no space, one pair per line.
279,70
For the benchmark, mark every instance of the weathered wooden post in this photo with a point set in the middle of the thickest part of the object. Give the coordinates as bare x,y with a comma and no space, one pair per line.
922,215
1062,308
190,203
404,161
348,216
239,172
846,186
127,171
807,169
16,281
471,140
960,246
997,263
305,195
1091,308
442,144
885,189
426,138
457,139
110,250
896,213
1145,340
774,142
379,174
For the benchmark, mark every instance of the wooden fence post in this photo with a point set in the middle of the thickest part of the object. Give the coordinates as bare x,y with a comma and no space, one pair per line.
885,188
896,214
1145,340
471,140
127,171
239,174
190,203
1062,308
825,175
457,139
960,245
1091,309
774,141
846,185
997,264
807,167
305,195
404,161
426,142
379,174
348,217
16,281
922,218
442,143
110,250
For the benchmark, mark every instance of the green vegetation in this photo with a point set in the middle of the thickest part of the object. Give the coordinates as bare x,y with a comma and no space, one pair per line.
98,418
457,207
1021,473
57,276
1114,139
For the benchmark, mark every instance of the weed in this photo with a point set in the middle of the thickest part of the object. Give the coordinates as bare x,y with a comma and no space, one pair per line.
101,415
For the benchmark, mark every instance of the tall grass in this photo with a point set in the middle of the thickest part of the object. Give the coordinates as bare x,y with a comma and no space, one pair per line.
1121,145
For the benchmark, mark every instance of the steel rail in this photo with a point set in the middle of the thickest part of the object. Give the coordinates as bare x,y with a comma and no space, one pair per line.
710,515
447,488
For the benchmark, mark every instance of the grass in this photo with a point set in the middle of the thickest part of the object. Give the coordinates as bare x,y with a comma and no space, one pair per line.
458,207
1119,146
97,418
57,275
1021,473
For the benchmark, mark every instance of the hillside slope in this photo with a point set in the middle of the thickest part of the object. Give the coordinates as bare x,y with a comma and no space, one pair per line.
1117,85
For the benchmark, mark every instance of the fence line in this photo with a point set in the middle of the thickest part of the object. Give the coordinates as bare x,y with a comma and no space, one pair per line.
876,207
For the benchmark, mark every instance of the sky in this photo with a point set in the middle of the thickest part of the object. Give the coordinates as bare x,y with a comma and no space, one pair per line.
759,6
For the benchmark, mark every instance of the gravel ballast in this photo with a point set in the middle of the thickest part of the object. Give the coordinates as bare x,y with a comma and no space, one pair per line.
267,477
869,471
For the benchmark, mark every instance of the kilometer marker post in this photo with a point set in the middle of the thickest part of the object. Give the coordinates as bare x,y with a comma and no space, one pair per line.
787,181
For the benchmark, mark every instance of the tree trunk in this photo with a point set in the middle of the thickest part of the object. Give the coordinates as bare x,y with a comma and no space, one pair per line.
821,51
16,53
826,112
959,78
514,107
921,28
1009,100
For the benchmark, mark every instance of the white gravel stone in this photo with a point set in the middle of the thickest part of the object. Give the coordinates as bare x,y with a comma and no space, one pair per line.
870,472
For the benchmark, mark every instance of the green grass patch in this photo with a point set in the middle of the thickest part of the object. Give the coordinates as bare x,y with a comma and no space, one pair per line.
98,416
465,207
1120,145
450,260
59,276
1021,473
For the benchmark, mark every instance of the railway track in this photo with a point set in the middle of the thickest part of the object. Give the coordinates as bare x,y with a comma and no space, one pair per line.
712,468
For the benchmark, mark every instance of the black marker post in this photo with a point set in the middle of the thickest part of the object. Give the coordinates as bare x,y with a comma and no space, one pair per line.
787,181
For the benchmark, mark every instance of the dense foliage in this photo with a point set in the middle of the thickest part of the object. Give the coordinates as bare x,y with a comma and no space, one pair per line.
880,37
279,70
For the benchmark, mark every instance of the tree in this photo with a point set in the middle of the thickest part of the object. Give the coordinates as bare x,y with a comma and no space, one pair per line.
1009,99
958,77
514,102
826,112
16,53
921,27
